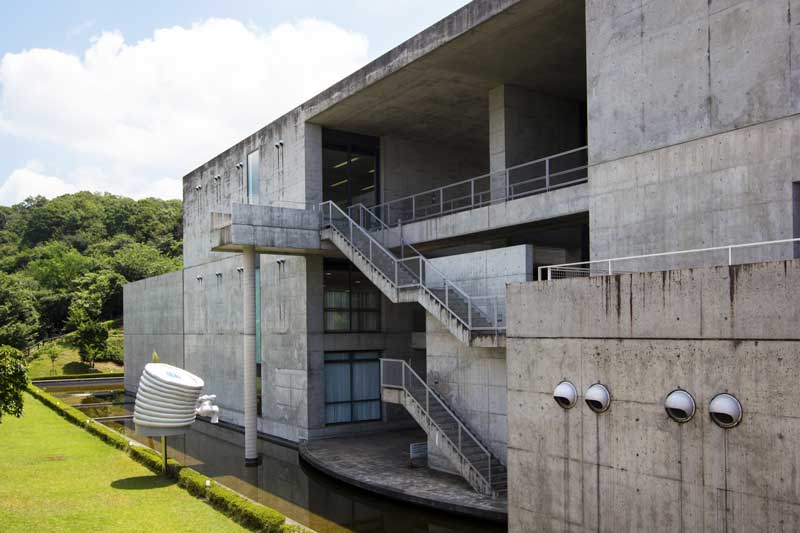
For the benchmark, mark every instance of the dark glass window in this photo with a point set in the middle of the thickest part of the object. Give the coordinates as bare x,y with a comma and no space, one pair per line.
349,168
352,387
352,303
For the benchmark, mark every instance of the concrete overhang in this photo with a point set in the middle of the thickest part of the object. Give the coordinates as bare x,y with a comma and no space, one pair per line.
434,87
270,230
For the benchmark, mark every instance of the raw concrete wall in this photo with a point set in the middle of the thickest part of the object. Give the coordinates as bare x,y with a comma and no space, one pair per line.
730,188
525,125
153,311
487,272
706,330
472,382
409,167
687,118
290,176
291,328
213,324
661,73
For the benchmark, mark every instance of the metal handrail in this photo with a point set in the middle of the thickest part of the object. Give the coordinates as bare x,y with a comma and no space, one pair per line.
428,264
397,263
386,207
461,426
576,267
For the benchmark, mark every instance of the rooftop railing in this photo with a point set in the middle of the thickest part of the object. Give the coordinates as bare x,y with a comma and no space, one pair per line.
733,254
534,177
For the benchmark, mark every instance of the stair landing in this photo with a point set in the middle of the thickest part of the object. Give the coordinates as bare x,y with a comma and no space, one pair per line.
379,463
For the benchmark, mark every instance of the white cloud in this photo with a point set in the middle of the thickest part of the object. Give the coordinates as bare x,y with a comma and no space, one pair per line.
29,181
139,116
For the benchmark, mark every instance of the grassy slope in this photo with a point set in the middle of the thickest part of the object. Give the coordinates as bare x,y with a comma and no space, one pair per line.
57,477
68,363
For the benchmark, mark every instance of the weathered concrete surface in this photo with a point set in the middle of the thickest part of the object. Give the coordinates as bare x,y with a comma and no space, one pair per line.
525,125
472,382
213,326
408,167
731,188
692,122
153,311
662,73
706,330
380,463
487,273
270,229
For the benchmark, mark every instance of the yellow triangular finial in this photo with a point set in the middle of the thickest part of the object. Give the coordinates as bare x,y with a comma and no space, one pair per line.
155,356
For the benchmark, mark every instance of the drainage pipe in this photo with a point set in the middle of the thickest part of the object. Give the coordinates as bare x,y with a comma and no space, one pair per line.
249,356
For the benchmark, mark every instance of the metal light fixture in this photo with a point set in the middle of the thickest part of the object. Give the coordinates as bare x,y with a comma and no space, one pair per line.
597,398
565,395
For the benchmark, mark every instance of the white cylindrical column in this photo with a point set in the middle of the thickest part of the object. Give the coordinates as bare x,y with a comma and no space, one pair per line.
249,356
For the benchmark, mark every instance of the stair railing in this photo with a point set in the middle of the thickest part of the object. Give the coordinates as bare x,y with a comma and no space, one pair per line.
397,374
416,267
429,277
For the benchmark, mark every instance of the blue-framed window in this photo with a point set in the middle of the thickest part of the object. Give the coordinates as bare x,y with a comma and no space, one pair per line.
352,387
253,166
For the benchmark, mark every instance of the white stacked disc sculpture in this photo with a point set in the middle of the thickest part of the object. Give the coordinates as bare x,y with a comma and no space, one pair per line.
166,401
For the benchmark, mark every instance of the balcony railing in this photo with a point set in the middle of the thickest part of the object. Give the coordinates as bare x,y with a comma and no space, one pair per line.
534,177
735,254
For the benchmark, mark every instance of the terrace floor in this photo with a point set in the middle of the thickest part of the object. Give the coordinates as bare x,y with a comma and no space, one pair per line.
380,463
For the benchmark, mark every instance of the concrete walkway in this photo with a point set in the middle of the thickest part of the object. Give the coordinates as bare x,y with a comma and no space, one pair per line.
379,463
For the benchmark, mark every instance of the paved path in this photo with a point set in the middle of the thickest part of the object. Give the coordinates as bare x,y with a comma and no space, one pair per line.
379,463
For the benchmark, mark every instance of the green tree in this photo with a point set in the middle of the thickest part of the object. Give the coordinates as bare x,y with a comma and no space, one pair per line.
13,380
92,340
138,261
59,266
19,318
51,352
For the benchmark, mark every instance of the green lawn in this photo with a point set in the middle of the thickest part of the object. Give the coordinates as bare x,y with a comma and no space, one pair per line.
57,477
68,363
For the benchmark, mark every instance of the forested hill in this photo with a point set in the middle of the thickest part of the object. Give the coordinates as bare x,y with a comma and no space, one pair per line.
64,261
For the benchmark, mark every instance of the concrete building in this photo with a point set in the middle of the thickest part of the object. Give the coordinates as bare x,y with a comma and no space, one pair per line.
355,255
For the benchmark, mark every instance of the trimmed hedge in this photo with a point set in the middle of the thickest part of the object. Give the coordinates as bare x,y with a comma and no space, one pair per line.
82,376
246,512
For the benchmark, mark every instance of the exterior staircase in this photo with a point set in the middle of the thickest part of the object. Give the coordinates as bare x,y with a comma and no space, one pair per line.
407,276
482,470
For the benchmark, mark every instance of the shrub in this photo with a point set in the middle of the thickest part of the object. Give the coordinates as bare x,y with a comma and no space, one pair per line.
13,380
148,458
192,481
114,350
247,513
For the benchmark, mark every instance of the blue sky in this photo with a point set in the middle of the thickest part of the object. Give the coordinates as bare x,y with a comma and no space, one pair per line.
128,96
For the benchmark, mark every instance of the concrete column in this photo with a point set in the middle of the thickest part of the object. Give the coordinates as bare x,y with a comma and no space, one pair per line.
497,143
249,356
524,126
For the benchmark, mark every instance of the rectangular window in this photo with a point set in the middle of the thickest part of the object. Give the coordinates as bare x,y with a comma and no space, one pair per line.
253,164
352,387
352,303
